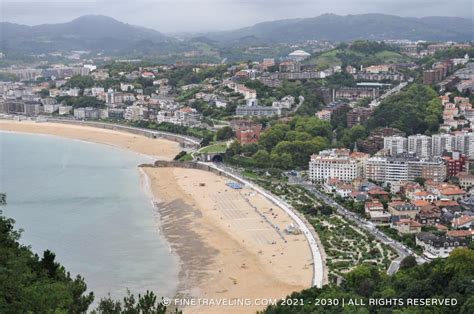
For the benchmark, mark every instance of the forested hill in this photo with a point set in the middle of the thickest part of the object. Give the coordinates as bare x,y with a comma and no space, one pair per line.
352,27
416,110
451,278
89,32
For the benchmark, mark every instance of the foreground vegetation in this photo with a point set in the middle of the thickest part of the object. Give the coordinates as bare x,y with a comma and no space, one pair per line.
29,283
33,284
450,278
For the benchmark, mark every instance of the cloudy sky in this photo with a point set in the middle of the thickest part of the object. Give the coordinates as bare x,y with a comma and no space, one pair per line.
204,15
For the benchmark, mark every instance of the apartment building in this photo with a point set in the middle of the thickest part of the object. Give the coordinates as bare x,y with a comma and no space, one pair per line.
395,145
335,163
405,167
420,145
441,143
86,113
253,109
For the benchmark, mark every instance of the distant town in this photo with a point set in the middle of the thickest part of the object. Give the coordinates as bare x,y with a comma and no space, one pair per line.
376,134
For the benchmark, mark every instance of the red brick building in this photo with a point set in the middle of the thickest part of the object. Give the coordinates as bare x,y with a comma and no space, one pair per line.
246,131
455,163
247,136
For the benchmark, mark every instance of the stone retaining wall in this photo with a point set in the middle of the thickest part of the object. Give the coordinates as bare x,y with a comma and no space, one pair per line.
183,140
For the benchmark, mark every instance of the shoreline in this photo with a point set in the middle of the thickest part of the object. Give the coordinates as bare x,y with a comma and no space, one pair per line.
202,242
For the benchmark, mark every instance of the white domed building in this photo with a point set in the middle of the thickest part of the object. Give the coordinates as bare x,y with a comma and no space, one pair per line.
299,55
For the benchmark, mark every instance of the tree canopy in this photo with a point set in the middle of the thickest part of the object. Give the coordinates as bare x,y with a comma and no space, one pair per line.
288,145
29,283
450,278
416,110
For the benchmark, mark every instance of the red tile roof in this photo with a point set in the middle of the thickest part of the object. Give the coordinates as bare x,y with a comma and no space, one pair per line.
420,203
460,233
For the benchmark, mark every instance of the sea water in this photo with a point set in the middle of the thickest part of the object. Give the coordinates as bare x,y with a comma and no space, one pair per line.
86,203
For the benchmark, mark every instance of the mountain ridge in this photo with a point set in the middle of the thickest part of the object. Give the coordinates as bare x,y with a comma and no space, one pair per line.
370,26
103,33
88,32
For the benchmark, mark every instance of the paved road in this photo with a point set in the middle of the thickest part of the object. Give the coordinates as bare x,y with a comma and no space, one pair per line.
401,249
318,268
392,91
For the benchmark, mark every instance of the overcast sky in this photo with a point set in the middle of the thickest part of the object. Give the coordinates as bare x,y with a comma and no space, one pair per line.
204,15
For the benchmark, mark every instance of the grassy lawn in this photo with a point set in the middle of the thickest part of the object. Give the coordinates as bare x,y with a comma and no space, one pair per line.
325,60
187,157
330,59
391,56
251,175
215,148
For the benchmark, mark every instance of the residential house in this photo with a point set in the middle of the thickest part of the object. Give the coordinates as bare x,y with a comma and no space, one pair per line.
344,190
453,194
464,234
438,247
329,186
376,212
466,180
429,215
403,209
452,206
378,193
464,221
425,196
407,226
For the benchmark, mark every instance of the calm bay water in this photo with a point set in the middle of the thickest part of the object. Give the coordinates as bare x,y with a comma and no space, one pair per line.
85,202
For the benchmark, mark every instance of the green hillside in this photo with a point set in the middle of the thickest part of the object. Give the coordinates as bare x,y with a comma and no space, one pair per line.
341,56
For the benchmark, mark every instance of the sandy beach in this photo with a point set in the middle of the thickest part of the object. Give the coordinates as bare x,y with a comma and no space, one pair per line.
229,251
230,242
157,148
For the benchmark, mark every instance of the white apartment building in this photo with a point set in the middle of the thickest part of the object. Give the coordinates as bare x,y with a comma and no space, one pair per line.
459,141
420,145
95,91
50,108
425,147
334,164
188,117
464,142
133,113
442,142
64,110
86,113
184,116
395,145
124,87
404,168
